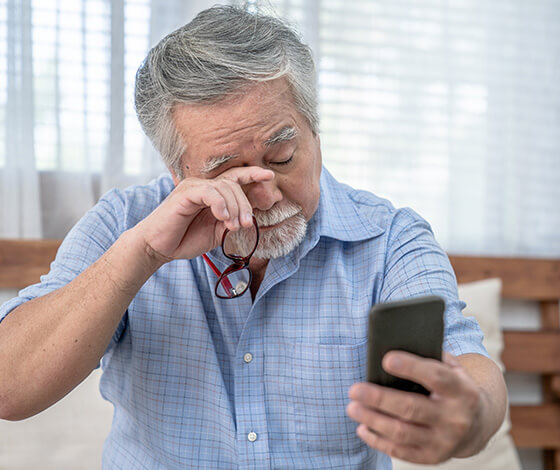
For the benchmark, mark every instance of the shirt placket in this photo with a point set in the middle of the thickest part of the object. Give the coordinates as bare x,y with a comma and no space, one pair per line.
252,427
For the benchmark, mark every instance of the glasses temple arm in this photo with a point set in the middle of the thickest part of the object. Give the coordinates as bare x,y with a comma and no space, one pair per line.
225,281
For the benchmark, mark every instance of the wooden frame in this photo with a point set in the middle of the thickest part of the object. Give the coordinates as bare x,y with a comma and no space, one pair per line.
535,426
22,262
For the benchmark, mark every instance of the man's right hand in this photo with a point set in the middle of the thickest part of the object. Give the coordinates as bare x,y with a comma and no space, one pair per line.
51,343
192,219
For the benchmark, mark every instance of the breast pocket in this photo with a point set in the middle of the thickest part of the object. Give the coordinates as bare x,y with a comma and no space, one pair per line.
322,376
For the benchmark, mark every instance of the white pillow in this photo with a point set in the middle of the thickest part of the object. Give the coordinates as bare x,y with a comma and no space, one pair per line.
483,303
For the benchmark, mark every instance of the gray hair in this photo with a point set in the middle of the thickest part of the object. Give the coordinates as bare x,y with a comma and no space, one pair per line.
220,52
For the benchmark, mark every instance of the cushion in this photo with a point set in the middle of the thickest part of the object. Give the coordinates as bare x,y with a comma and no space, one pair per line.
483,302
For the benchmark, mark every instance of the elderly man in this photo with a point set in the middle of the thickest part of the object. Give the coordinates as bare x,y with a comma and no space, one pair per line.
227,302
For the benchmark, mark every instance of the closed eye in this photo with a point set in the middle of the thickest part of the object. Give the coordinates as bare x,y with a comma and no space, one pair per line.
285,162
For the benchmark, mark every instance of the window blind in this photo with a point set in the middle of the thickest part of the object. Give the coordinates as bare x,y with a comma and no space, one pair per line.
448,107
72,66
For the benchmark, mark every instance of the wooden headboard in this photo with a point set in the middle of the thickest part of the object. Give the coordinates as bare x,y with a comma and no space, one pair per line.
535,426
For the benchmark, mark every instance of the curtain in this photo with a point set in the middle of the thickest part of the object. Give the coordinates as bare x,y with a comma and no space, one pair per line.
450,108
19,191
67,123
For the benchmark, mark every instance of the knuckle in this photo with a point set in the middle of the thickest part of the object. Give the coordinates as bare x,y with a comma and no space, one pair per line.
230,183
218,184
401,433
409,410
392,450
373,397
441,378
209,189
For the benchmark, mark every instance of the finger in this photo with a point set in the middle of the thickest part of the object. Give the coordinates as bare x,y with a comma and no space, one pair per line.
431,373
244,207
392,428
212,198
248,175
408,406
193,194
389,447
225,188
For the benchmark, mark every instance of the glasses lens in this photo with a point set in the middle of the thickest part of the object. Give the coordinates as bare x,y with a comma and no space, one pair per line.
234,284
242,243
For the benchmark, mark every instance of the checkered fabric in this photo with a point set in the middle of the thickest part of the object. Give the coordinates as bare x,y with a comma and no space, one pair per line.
200,382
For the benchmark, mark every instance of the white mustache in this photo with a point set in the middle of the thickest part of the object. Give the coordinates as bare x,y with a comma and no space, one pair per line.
276,215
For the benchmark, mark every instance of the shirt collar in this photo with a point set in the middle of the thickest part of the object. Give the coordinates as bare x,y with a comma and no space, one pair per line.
343,213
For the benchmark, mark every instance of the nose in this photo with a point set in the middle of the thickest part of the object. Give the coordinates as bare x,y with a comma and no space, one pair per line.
263,195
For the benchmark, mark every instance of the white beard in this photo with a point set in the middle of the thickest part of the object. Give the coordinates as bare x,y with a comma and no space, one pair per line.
277,242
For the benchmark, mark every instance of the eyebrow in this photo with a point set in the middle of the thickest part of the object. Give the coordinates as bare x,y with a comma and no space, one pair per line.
214,162
283,135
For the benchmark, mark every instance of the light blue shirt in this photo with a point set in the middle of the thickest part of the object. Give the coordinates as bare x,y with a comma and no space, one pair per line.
200,382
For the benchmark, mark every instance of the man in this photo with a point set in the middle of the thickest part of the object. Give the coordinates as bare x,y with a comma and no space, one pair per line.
200,374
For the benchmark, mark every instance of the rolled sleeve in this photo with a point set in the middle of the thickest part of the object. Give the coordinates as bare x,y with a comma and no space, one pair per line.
416,266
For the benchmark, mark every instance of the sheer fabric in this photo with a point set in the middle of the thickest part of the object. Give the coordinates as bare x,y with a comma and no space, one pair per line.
448,107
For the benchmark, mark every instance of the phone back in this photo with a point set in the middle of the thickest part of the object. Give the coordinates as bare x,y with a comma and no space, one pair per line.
413,325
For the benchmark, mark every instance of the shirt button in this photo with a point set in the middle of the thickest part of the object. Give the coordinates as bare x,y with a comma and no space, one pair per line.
247,357
252,436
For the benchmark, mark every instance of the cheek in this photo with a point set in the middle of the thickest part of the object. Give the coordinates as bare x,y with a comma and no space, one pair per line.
310,187
302,185
303,189
312,193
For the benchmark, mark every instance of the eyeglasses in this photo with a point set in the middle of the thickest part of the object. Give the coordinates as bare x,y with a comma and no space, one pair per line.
237,246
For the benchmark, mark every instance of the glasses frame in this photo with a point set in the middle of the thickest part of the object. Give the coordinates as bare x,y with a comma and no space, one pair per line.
239,263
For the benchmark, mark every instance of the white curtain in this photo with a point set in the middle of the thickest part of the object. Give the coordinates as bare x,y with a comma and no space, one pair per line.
67,121
19,183
448,107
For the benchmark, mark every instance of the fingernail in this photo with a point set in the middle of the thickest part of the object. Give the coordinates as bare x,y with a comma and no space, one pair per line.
236,222
247,218
395,363
226,213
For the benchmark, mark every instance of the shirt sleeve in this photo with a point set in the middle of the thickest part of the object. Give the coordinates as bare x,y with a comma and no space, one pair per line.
92,236
416,266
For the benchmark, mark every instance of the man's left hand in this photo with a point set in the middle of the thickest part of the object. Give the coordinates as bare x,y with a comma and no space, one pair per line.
418,428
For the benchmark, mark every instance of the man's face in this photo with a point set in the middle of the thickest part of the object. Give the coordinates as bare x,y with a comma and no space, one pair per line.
258,127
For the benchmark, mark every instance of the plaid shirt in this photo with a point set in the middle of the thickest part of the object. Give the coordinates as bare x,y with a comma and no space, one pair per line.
200,382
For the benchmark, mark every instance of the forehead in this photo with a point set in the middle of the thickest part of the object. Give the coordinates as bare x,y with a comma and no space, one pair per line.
249,116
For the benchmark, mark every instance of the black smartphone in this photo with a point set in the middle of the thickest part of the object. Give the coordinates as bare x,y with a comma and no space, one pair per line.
412,325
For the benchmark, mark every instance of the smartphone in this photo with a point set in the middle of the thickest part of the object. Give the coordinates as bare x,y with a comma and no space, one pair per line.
412,325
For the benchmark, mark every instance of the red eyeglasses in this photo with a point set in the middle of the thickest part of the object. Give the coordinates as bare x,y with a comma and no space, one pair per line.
238,247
